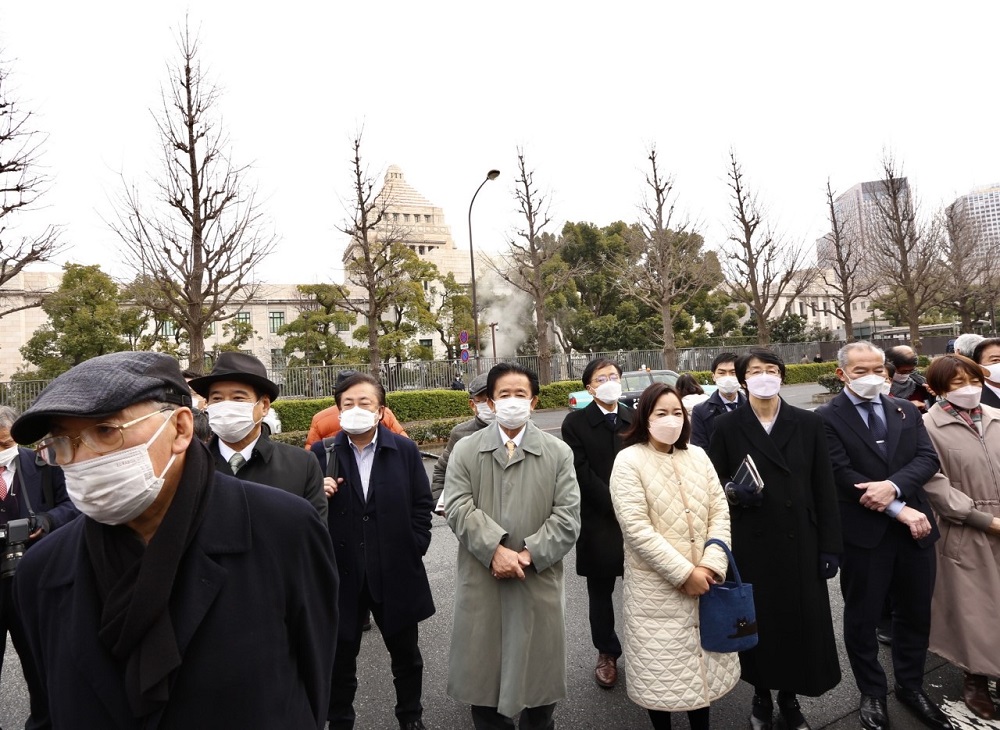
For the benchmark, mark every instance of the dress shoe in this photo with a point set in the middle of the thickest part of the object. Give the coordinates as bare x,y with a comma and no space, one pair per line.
412,725
926,711
761,713
883,637
606,672
873,714
790,714
976,693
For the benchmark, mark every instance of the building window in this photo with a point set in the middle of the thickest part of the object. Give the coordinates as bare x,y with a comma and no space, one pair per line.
278,360
242,317
343,327
169,328
426,343
275,320
427,219
209,330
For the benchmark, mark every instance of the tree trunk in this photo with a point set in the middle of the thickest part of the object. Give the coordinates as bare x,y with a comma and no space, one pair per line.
913,320
848,323
544,347
669,341
374,356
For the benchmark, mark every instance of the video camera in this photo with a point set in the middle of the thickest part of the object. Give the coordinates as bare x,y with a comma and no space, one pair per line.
13,542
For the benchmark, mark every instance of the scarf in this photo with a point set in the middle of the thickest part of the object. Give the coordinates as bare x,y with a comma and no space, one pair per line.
136,580
973,419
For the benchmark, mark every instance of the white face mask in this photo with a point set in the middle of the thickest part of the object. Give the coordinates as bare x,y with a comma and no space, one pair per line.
901,377
886,387
764,386
994,372
666,429
609,391
231,420
485,413
967,397
118,487
8,455
357,420
727,384
512,412
868,386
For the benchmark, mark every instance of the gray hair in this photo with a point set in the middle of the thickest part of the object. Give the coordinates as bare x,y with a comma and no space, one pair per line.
844,352
966,344
7,416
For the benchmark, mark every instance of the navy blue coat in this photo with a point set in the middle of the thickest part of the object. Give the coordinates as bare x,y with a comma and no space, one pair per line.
384,539
254,607
703,418
28,476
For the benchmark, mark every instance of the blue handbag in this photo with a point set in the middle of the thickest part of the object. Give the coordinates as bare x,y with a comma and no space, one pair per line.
726,613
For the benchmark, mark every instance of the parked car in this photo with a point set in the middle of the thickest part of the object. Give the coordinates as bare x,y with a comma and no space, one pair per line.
633,383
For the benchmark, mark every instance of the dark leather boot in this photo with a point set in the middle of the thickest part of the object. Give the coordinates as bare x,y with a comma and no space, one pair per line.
976,693
762,711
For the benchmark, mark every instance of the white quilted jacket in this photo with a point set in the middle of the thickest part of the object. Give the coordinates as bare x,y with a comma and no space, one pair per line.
668,505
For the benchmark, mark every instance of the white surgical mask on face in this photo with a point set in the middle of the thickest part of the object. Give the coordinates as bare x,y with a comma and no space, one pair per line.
8,455
609,391
118,487
968,396
994,372
901,377
886,387
666,429
764,385
357,420
867,387
728,384
485,413
231,420
512,412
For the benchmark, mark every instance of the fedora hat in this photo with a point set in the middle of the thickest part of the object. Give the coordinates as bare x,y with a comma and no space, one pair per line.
241,368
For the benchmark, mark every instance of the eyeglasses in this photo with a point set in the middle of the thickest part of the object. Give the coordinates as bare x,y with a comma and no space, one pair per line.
602,379
101,438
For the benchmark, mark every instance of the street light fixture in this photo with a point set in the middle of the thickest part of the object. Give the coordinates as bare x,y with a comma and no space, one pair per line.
491,175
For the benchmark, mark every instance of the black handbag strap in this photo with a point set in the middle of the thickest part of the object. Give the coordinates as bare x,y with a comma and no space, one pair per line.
729,554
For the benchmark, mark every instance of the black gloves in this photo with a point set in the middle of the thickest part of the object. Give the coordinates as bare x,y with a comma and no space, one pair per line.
743,495
829,564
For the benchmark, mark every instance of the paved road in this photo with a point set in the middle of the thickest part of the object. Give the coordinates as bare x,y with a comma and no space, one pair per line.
587,706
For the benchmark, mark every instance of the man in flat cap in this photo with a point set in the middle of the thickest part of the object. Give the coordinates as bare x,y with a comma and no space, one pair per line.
238,395
184,597
484,416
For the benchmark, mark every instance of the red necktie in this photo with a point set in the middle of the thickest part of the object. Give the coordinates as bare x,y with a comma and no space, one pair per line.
3,483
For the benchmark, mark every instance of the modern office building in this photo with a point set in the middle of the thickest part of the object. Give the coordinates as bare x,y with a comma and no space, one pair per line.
981,206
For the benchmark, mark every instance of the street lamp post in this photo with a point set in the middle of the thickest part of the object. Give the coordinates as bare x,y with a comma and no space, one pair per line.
491,175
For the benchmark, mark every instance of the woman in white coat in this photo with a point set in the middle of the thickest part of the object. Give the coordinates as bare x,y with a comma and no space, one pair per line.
669,501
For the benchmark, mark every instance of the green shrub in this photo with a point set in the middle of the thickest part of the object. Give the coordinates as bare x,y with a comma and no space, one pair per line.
556,395
292,438
422,405
426,432
296,415
704,377
808,372
831,382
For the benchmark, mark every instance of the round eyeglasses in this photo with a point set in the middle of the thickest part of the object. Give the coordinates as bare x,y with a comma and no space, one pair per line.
101,438
602,379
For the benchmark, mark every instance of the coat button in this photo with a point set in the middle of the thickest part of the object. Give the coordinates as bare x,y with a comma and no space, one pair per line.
791,535
687,510
692,539
362,546
788,503
365,518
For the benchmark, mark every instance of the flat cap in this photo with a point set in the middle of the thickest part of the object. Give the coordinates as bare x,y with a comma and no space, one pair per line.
101,387
478,385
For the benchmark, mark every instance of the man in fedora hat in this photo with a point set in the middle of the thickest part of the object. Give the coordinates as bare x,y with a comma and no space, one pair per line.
326,423
239,394
183,597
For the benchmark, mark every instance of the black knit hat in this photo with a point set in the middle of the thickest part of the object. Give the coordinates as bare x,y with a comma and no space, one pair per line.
102,386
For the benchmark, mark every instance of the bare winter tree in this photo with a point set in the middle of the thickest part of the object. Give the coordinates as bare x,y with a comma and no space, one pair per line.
905,250
532,260
971,281
380,268
843,270
203,237
22,183
670,266
760,268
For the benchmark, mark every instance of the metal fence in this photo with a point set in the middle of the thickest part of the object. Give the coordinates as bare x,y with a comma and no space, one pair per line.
320,381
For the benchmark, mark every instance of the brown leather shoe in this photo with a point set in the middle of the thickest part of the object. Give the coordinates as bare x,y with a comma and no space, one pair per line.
976,693
606,672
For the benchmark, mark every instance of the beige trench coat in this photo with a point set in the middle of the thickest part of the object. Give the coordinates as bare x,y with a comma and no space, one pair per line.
965,495
508,643
668,505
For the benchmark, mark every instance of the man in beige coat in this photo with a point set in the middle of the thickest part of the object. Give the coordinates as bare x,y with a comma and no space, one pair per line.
514,504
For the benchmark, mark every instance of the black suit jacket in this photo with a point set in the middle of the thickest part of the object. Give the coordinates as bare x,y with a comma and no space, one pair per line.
281,466
253,606
703,418
600,550
990,398
910,462
29,477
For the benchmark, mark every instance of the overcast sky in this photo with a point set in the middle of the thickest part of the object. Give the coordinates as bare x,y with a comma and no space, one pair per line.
447,90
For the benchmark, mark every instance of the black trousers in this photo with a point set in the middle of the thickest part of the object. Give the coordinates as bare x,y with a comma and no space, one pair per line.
697,719
532,718
904,572
39,713
600,590
407,670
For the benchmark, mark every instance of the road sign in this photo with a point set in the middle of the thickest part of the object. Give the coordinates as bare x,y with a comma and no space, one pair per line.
464,346
463,336
465,356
